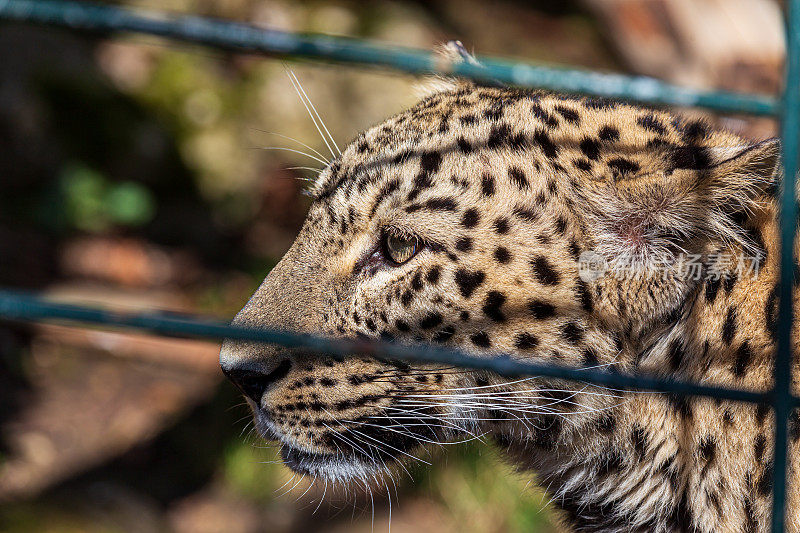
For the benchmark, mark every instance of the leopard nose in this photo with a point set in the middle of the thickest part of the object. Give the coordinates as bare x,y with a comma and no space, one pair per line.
254,382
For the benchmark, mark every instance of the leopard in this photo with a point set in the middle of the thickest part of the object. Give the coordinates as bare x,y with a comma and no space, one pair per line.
551,228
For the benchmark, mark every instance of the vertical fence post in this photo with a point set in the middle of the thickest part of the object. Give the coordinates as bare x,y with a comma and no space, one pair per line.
790,131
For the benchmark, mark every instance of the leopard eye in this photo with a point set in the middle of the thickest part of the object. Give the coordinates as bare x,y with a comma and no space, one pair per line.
400,249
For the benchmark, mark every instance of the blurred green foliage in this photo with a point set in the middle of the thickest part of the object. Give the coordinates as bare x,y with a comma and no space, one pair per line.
94,204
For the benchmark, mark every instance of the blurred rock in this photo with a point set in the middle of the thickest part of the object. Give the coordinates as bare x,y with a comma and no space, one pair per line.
97,394
128,262
735,45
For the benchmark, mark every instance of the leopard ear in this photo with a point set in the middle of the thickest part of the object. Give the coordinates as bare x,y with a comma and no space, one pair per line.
657,214
745,174
646,230
447,55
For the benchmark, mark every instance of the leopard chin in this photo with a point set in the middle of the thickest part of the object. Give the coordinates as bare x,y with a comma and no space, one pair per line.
330,467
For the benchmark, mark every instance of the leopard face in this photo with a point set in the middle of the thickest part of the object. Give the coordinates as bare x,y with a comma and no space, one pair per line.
462,222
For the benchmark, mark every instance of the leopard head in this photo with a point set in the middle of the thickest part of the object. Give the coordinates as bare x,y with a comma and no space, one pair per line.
462,221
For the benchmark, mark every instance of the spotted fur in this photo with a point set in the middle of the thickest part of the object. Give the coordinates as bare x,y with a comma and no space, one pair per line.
506,189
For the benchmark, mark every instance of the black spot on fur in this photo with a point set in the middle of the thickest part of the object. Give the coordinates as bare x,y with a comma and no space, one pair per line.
501,226
639,440
764,483
481,339
681,404
572,333
406,298
498,137
794,425
544,271
743,357
694,131
712,287
729,326
518,178
544,116
676,354
595,102
651,123
441,204
771,313
543,140
464,145
690,157
527,215
762,410
570,115
487,185
590,148
431,320
707,448
547,436
608,134
470,218
584,296
589,358
622,166
526,341
607,423
541,310
759,447
468,281
430,162
751,522
493,304
444,335
502,255
582,164
464,244
433,275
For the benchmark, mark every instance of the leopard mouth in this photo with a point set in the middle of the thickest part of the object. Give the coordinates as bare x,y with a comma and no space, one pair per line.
357,452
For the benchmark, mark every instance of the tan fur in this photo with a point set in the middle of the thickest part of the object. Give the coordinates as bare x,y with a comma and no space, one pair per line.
506,188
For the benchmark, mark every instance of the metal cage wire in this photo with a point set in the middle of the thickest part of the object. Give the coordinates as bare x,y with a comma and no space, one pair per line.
104,19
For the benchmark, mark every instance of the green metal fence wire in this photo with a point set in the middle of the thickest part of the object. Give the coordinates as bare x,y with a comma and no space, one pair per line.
790,132
245,38
249,39
24,306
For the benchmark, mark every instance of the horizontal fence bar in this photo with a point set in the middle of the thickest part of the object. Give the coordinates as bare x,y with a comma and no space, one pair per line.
246,38
28,307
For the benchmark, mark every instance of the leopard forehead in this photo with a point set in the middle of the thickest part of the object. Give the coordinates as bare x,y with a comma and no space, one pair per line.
590,139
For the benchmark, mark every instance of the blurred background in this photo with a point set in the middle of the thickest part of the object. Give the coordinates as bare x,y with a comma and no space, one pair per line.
137,173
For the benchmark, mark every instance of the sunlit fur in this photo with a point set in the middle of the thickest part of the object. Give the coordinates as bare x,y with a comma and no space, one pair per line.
506,188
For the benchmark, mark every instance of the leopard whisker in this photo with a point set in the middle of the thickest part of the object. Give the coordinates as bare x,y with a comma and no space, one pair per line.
305,491
306,103
289,481
282,148
391,447
404,433
436,416
317,152
322,498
